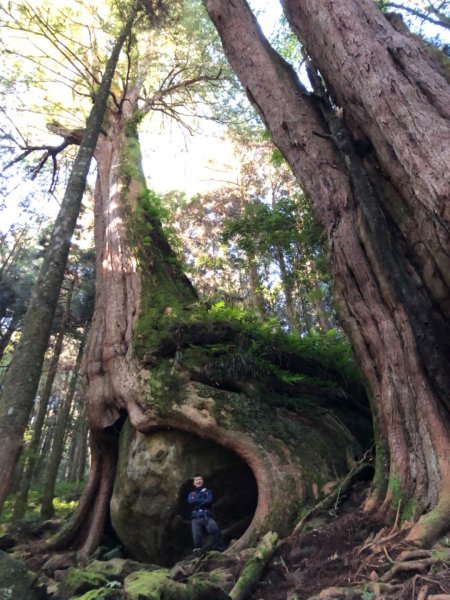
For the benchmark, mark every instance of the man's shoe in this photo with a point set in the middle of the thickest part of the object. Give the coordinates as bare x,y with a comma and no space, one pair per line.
198,552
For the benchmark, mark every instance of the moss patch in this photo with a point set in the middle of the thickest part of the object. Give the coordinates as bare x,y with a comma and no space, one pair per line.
153,585
100,594
78,582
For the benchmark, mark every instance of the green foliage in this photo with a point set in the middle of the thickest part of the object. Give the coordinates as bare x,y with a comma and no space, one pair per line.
65,501
245,348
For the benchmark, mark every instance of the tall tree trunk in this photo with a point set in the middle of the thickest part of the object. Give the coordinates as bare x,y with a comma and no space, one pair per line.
384,213
27,475
6,337
257,300
22,379
286,281
78,447
113,385
47,508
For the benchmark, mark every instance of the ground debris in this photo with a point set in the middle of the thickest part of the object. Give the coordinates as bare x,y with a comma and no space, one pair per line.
349,557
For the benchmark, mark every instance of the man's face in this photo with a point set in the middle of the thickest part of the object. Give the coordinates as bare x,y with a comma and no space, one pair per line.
198,482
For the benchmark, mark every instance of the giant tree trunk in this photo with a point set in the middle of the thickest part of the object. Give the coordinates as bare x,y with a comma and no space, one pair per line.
136,362
22,379
377,178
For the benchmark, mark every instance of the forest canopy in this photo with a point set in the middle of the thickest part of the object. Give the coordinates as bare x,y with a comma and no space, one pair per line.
230,229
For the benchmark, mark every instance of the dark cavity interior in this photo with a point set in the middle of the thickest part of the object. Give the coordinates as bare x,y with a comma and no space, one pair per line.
149,509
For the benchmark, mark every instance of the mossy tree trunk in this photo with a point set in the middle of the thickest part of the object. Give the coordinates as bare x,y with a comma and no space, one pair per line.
376,173
22,379
132,362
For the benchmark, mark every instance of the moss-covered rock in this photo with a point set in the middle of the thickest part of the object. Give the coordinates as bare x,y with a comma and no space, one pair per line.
102,593
149,510
116,569
154,585
77,582
16,582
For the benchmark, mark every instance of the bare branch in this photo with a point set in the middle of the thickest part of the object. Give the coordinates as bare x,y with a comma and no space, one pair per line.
442,19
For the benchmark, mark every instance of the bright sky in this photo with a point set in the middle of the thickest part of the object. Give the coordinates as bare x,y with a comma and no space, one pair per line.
173,159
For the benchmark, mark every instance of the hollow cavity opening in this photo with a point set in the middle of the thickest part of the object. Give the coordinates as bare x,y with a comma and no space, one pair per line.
149,509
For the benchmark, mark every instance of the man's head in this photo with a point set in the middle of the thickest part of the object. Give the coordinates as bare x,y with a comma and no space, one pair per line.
198,481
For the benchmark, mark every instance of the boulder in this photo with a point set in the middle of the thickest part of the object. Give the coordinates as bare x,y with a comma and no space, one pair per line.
117,569
153,585
262,462
77,582
16,582
102,593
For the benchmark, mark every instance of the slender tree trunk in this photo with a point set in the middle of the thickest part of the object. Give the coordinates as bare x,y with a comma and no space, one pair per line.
286,282
6,337
78,448
27,475
23,375
383,210
257,300
47,508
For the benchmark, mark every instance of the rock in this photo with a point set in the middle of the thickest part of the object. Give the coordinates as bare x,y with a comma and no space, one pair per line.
153,585
117,569
16,582
332,592
100,594
7,541
220,578
78,582
59,562
202,587
149,510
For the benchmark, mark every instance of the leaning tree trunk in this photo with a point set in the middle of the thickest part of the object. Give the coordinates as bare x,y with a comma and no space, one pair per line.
376,173
22,379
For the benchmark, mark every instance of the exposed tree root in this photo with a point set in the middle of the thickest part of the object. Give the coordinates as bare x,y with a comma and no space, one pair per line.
252,570
332,499
413,565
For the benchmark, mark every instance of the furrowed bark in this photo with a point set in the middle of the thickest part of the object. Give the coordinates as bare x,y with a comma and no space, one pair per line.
389,281
23,375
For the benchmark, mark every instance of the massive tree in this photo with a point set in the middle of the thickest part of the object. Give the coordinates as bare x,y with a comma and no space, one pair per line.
160,357
21,381
370,145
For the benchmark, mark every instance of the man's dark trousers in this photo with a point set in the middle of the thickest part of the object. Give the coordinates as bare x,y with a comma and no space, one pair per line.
208,524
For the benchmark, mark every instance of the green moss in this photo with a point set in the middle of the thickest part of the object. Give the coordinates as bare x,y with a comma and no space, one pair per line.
441,554
100,594
394,487
409,511
166,387
154,585
78,582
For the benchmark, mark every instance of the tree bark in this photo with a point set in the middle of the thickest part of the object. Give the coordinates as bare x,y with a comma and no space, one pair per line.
27,475
6,337
383,207
23,375
47,508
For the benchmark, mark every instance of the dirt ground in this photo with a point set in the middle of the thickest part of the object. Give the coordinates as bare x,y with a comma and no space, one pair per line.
349,556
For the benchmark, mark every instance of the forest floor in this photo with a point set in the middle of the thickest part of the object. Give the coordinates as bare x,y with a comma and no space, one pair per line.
339,553
349,556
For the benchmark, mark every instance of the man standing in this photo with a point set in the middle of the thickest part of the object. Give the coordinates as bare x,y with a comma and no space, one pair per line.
200,498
